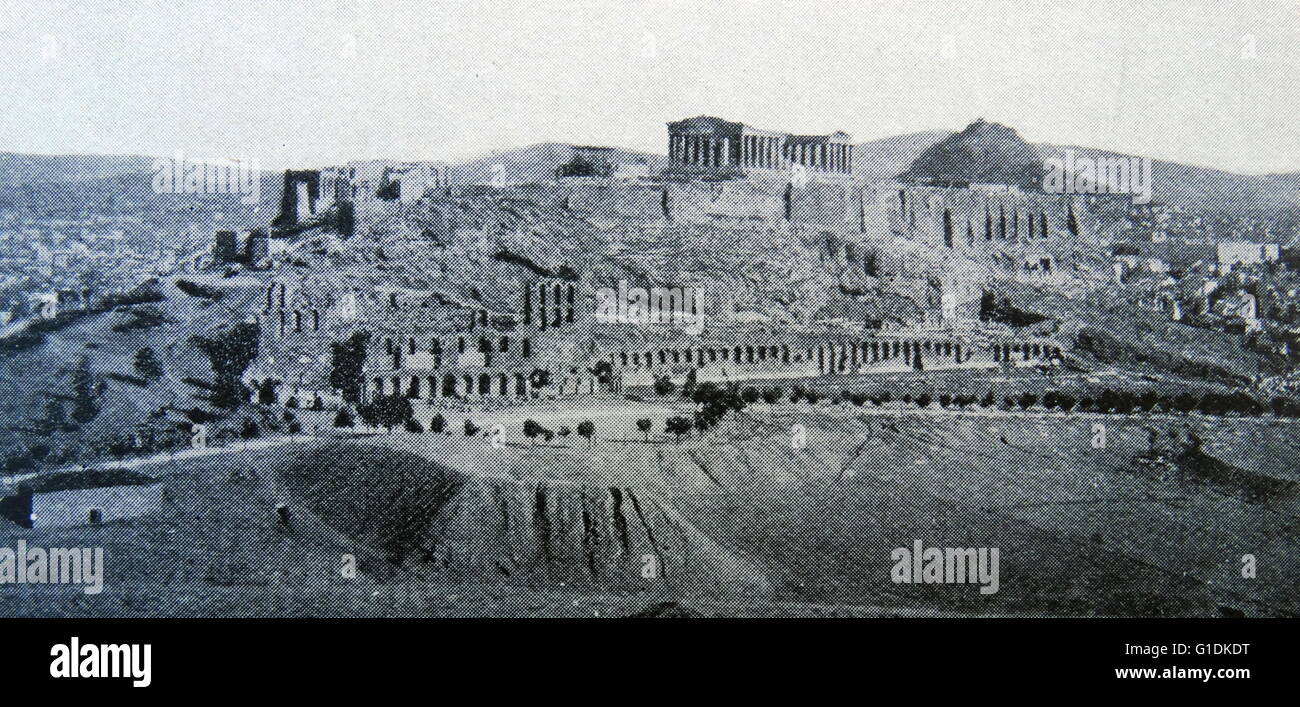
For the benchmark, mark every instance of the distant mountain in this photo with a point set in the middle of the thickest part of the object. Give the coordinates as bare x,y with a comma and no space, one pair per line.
535,163
987,152
1203,189
34,169
887,157
982,153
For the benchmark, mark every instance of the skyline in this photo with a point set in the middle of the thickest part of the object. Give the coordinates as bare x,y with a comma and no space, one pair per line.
350,79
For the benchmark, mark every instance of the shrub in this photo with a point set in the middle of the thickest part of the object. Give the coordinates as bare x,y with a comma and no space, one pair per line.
437,423
146,363
678,426
344,418
664,386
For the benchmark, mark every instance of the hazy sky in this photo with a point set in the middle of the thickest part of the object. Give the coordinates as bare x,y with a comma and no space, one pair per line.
310,83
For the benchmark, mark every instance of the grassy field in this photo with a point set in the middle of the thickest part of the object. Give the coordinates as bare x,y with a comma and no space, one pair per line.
740,523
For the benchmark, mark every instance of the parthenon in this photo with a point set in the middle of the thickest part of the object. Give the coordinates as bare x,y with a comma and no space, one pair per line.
714,143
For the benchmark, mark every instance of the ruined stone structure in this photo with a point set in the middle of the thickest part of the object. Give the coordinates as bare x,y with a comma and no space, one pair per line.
934,247
807,355
709,143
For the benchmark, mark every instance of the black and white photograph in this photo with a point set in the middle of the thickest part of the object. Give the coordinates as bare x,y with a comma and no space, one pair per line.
886,311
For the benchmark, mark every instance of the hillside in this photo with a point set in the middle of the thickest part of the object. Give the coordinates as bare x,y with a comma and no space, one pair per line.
443,525
982,153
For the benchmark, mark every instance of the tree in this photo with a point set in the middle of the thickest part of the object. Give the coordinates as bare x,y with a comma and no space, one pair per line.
587,429
533,430
688,386
923,400
437,423
266,391
750,395
146,363
677,426
664,386
344,418
604,372
644,425
1027,400
347,360
387,410
55,418
249,429
772,396
413,425
988,400
229,353
471,429
84,408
